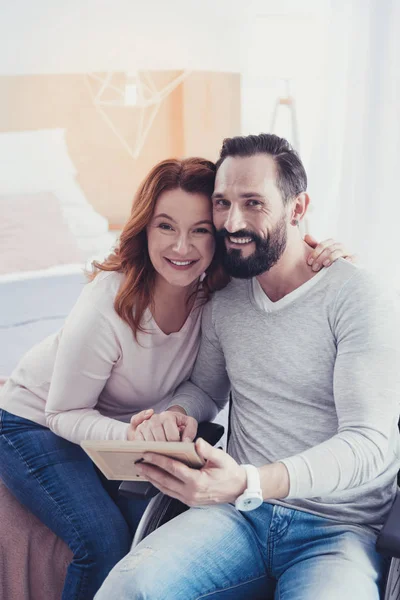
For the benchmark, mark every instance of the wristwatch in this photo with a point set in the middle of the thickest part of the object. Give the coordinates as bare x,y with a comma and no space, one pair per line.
252,496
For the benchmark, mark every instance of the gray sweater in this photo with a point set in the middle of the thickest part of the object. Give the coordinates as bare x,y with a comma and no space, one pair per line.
315,384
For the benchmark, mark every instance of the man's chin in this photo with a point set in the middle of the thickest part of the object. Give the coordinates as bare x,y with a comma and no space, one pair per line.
240,253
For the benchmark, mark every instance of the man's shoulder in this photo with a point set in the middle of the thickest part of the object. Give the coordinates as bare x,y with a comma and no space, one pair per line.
362,293
346,276
236,289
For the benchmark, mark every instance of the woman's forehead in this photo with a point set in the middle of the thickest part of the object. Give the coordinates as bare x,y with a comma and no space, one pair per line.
180,204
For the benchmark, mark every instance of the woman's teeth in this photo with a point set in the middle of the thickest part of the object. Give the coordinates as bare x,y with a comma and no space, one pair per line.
240,240
181,263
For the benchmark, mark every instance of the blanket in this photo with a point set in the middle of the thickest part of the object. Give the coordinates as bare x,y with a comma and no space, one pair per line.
33,560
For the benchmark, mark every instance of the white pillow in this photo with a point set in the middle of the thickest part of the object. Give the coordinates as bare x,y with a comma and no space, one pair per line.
33,161
80,215
34,234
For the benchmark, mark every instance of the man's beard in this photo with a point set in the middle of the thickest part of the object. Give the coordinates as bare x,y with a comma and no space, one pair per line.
267,253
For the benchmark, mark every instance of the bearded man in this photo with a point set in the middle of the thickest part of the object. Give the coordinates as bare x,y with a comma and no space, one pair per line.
292,510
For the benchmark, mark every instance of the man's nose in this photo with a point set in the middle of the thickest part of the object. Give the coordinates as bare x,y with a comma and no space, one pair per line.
235,220
181,245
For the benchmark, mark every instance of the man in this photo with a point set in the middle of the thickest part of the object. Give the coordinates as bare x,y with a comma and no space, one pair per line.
311,360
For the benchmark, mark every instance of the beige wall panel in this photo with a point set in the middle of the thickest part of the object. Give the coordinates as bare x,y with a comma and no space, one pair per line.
193,119
211,109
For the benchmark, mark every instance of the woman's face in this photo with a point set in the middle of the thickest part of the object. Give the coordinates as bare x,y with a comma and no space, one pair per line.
180,236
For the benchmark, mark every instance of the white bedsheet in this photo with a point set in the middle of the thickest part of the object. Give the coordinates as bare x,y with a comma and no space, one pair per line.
33,305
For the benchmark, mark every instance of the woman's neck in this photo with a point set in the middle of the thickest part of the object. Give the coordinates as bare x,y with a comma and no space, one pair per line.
172,304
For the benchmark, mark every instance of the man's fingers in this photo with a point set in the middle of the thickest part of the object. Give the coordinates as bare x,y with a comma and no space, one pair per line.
169,466
142,416
170,487
208,452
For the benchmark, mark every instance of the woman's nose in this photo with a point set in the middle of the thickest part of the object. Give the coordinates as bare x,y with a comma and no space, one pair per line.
181,245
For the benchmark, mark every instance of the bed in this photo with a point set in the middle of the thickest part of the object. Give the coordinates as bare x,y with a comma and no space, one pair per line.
49,234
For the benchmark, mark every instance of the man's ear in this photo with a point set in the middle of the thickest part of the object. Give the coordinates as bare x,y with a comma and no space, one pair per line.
299,207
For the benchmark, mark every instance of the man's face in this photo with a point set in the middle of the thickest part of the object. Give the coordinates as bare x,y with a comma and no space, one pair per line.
249,215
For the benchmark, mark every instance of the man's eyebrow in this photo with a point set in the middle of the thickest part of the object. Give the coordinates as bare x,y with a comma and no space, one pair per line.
252,195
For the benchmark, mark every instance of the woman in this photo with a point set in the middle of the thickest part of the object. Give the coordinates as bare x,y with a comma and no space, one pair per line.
130,340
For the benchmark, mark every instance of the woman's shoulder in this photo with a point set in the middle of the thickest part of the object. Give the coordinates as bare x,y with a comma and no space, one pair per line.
102,290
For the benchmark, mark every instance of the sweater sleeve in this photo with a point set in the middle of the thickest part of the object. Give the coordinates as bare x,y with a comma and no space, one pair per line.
87,352
207,391
366,392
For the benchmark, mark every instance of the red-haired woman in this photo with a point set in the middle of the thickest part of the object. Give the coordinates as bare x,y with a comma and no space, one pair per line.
130,340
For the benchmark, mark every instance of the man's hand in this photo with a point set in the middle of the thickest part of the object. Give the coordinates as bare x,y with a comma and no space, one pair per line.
168,426
325,253
220,480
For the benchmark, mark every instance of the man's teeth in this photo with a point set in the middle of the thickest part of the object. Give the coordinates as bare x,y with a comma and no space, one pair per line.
181,263
236,240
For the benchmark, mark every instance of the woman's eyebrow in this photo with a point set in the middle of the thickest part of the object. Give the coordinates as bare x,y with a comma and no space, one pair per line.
165,216
207,221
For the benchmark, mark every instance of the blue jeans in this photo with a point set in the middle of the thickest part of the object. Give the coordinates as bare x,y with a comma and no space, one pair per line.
58,482
219,553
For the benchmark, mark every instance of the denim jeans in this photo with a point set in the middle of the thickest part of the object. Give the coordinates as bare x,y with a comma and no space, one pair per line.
58,482
276,552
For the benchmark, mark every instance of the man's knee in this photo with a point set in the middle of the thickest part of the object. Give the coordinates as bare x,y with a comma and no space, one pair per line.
133,578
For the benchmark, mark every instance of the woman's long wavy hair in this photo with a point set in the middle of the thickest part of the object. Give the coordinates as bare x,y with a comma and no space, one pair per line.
131,257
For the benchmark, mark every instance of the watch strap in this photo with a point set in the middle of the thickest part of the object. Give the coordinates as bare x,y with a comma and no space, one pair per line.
253,478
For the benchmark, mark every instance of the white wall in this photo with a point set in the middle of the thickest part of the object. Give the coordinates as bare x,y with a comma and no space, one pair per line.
54,36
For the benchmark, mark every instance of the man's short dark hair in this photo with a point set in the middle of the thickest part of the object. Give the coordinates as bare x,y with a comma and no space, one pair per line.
291,175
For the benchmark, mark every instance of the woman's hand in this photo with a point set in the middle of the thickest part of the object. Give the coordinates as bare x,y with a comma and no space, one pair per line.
325,253
168,426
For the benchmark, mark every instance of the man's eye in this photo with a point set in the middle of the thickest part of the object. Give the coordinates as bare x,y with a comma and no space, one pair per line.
221,202
254,203
165,226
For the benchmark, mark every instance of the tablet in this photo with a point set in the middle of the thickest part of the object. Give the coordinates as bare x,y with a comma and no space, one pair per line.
116,460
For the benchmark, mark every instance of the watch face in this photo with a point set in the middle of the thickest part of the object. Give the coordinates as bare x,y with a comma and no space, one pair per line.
248,503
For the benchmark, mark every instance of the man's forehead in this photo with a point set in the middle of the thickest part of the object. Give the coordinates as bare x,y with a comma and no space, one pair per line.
258,170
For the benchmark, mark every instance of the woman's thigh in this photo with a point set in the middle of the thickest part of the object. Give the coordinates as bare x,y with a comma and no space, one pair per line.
57,482
209,552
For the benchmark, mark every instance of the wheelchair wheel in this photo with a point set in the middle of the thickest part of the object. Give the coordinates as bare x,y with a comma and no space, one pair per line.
393,581
160,510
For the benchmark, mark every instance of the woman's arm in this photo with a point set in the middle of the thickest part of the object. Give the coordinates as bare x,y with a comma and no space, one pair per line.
86,355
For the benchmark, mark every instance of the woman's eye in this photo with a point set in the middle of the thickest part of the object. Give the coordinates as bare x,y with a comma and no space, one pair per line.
165,226
202,230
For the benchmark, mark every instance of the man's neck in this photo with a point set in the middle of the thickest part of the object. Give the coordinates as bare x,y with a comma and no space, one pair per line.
289,273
